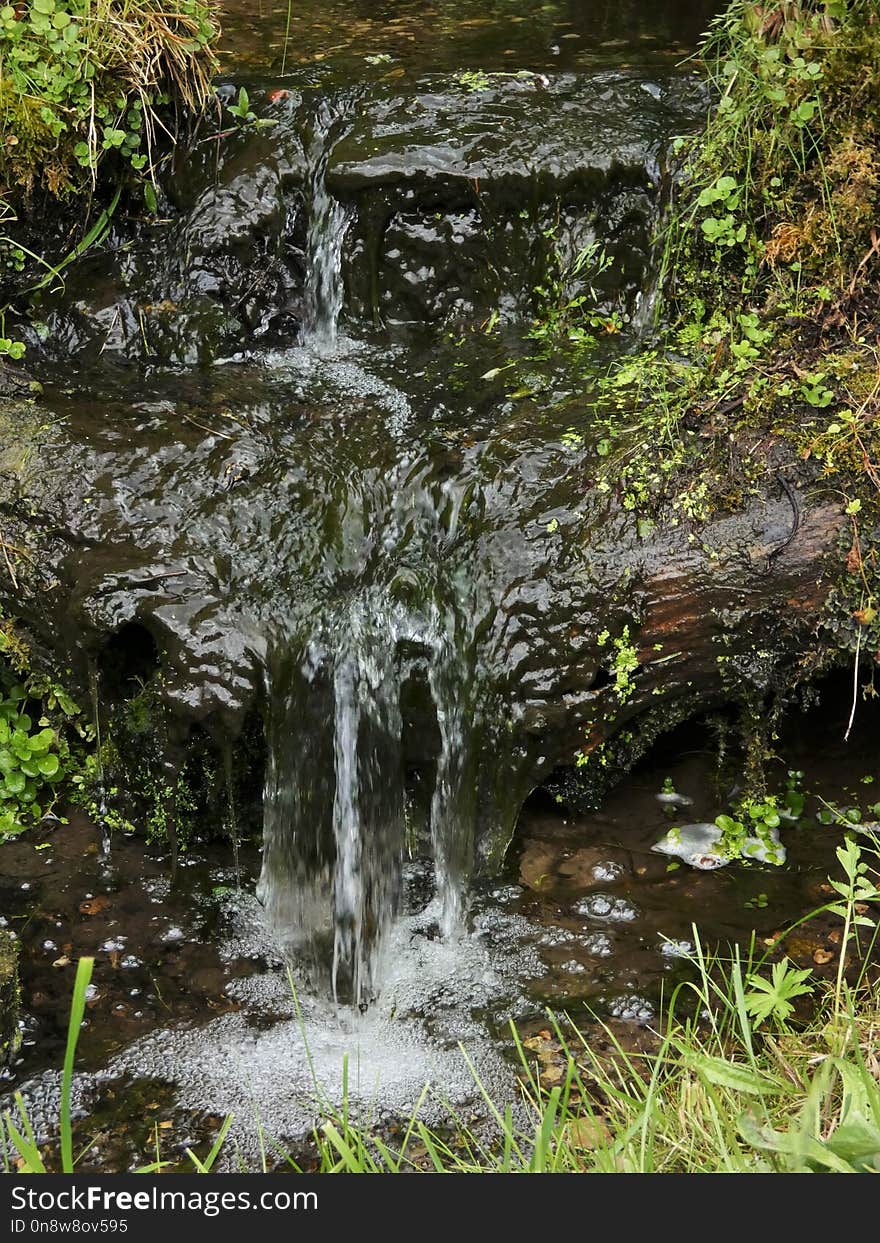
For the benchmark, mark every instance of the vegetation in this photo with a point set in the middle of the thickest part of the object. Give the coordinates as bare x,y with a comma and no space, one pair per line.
770,286
38,719
90,92
84,80
767,353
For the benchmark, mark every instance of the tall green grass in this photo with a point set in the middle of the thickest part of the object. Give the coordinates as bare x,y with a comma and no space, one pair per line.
23,1141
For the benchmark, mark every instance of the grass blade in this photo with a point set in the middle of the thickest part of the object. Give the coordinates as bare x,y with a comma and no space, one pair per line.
77,1009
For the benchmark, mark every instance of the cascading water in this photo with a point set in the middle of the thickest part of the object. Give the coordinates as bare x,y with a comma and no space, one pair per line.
327,226
337,827
338,823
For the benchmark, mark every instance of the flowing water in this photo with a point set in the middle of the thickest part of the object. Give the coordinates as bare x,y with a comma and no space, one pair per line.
327,226
281,455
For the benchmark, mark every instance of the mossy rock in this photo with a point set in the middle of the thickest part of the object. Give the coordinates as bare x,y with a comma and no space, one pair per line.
9,997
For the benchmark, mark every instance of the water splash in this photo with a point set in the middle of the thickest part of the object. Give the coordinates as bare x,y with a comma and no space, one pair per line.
328,223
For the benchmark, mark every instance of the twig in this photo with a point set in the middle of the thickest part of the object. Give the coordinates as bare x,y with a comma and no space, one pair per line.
875,250
211,431
796,520
9,564
852,715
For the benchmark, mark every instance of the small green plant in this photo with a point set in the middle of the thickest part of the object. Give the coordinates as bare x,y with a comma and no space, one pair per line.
10,348
243,113
722,228
856,893
479,80
242,108
624,663
38,721
752,830
559,311
30,764
814,391
793,798
772,999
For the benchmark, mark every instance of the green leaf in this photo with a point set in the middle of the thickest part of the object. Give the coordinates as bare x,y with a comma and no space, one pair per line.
15,783
48,765
734,1076
41,742
773,997
799,1148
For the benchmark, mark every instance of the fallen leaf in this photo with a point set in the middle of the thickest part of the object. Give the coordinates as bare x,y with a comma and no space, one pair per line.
93,906
587,1132
63,961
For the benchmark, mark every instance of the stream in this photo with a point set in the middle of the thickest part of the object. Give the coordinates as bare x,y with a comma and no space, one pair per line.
286,468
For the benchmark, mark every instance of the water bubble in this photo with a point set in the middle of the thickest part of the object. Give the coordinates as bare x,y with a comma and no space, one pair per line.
676,949
598,944
632,1008
608,871
606,906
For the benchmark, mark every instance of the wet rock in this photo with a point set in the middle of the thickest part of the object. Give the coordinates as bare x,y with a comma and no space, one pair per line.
671,798
698,845
453,202
581,128
701,846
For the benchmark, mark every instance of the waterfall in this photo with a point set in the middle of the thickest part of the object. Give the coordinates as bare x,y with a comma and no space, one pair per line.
335,833
327,225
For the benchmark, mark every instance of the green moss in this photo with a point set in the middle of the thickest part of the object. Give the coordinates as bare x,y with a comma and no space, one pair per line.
90,92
